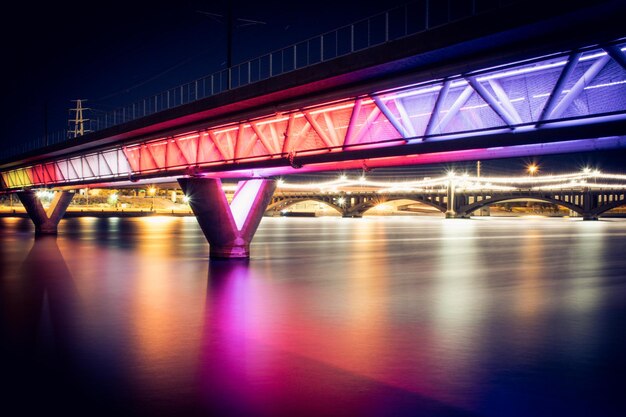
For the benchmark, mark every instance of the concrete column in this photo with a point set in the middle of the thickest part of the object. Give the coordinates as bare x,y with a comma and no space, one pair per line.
45,220
228,228
588,206
451,203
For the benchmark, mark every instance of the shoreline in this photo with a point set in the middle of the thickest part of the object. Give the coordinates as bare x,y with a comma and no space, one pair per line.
105,213
172,213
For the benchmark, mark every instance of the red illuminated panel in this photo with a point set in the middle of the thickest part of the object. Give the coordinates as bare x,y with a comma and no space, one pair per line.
38,173
272,133
248,143
369,124
133,155
158,152
331,123
174,156
146,159
188,147
302,136
53,173
225,140
208,150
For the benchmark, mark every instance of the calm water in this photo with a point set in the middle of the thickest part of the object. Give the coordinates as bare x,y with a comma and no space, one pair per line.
330,317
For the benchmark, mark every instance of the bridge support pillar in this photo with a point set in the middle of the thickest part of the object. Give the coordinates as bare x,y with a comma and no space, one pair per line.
589,216
45,220
451,203
228,228
588,205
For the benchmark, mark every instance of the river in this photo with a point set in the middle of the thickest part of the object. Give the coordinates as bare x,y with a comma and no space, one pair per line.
379,316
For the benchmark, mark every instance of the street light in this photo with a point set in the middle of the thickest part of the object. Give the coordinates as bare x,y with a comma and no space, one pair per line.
532,169
152,191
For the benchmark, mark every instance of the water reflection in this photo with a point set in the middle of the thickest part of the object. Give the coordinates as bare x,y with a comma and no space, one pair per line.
39,305
364,317
39,332
269,352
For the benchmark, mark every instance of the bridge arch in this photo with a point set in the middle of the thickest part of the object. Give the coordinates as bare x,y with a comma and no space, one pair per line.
284,203
470,208
362,208
608,206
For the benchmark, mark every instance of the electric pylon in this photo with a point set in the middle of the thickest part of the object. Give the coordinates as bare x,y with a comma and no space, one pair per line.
77,123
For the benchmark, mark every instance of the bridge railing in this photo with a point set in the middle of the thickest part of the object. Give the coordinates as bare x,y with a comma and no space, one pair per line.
409,19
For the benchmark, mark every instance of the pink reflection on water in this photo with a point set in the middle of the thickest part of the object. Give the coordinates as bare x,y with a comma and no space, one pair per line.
268,352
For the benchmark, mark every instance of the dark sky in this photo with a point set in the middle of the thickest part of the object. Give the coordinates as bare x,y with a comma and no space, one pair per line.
117,52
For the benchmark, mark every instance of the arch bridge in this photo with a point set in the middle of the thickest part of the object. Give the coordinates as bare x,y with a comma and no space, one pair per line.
459,197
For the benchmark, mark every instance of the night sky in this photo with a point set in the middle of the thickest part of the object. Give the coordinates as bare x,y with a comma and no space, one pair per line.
120,52
117,52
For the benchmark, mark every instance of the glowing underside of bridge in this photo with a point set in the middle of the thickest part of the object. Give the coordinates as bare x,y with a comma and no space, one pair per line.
578,87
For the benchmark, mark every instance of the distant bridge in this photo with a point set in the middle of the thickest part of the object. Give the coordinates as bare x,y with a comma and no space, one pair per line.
588,194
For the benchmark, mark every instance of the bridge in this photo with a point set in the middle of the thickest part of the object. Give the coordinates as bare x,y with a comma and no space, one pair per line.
478,84
589,193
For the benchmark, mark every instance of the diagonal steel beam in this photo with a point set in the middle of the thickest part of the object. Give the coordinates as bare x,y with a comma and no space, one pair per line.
154,160
101,156
491,101
580,85
438,103
261,135
553,99
175,142
371,118
616,53
353,118
456,106
505,100
318,129
332,133
406,120
391,117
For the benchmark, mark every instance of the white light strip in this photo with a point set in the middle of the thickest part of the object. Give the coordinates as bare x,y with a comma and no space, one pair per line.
564,181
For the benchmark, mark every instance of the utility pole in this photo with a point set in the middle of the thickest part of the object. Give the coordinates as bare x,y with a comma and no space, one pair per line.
229,44
45,121
478,169
78,122
230,27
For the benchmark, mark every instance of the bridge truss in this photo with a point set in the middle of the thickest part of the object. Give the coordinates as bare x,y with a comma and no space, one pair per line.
578,88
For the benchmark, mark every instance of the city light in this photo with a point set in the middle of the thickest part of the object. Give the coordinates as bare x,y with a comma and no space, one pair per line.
532,169
45,195
465,181
185,199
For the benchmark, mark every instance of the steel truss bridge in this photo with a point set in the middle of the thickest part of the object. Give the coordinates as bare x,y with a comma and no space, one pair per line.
572,101
589,194
504,83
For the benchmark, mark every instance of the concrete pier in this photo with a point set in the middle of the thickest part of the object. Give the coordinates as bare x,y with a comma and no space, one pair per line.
46,220
228,228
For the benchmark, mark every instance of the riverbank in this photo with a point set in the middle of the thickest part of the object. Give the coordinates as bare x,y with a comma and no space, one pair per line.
92,212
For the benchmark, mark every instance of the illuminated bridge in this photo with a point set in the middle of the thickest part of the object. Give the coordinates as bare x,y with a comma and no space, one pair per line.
589,194
476,84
